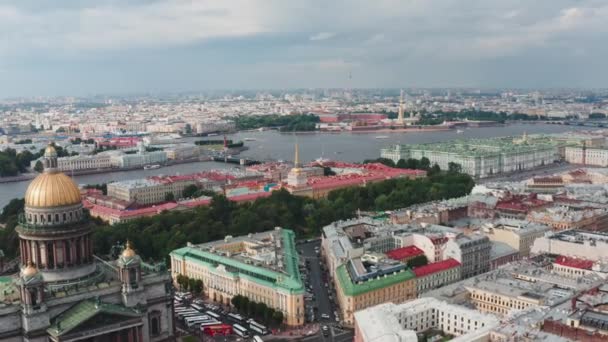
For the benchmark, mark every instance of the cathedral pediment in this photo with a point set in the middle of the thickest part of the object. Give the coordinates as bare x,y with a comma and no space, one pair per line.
92,317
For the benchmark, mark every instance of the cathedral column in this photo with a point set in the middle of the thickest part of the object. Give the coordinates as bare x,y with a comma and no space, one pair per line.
85,257
130,335
90,248
72,252
77,258
22,250
38,256
55,255
82,253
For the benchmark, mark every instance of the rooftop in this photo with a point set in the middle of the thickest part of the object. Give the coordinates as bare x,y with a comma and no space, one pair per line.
436,267
268,257
351,288
404,252
574,262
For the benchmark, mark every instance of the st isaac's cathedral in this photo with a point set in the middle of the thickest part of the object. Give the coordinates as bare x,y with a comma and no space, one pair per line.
65,293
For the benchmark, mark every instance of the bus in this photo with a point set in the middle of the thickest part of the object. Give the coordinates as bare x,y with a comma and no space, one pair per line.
257,327
184,315
216,329
191,322
213,314
257,338
240,330
236,318
210,322
197,307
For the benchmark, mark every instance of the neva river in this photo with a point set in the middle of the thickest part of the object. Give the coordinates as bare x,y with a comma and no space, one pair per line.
268,145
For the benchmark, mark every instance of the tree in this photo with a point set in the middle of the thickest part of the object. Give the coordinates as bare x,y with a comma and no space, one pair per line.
454,168
435,169
188,129
169,197
182,281
424,164
401,164
38,167
60,130
251,305
190,191
418,261
197,287
327,171
411,163
237,301
277,317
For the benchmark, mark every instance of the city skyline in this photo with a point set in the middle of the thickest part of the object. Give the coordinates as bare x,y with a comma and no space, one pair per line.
173,46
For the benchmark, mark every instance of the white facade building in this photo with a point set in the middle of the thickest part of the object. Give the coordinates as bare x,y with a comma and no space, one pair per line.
586,156
581,244
400,323
481,157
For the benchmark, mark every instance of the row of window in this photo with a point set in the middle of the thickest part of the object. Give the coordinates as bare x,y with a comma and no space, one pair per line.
54,218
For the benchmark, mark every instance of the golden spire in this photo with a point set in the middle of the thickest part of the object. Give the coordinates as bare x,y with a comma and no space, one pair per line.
296,160
128,252
401,109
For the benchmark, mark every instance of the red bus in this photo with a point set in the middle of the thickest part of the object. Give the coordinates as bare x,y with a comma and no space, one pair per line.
217,329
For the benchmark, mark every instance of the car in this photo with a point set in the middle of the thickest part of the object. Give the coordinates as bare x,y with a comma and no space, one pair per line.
325,327
325,316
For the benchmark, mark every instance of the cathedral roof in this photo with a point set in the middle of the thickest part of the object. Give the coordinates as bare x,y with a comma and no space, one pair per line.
84,311
52,190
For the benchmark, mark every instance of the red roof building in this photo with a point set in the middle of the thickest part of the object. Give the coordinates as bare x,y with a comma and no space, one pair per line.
574,262
404,253
436,267
437,274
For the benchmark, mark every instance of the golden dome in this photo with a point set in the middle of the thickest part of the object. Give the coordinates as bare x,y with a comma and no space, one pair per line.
50,151
30,270
128,252
52,190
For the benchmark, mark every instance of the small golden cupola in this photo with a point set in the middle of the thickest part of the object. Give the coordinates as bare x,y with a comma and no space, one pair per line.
51,188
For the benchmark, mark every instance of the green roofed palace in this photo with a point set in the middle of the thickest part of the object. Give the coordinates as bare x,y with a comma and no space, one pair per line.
484,157
261,266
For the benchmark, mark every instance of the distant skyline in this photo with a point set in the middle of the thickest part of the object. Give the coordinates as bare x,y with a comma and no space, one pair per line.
78,48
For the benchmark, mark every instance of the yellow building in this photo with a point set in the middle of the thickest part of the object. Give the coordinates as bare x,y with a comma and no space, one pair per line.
357,294
500,299
262,267
518,234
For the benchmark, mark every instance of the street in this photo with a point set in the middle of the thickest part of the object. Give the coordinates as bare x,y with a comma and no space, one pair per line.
323,298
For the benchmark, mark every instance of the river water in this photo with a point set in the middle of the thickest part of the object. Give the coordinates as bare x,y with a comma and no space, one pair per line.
267,145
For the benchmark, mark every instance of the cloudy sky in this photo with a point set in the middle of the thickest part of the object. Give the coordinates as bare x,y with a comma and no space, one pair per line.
80,47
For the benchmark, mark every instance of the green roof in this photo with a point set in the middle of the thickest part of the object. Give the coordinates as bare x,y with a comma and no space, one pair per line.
471,148
291,281
84,311
353,289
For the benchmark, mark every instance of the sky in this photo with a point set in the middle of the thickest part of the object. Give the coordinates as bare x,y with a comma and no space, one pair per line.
86,47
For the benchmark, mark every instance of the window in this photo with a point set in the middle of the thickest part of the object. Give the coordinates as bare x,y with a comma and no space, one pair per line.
155,323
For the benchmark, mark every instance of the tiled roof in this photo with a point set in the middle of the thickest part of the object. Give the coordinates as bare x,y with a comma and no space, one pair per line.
436,267
404,252
574,262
